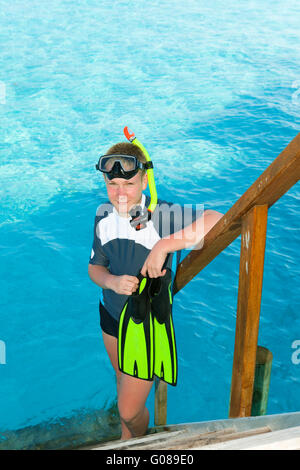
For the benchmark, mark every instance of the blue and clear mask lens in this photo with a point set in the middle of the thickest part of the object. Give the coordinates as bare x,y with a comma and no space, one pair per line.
119,166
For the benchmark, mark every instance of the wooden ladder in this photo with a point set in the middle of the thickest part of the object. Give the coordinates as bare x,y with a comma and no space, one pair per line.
248,218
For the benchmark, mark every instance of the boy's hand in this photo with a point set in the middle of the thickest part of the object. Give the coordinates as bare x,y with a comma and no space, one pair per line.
124,285
155,261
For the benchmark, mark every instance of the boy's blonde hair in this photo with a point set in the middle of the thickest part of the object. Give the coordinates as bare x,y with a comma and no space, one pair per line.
126,148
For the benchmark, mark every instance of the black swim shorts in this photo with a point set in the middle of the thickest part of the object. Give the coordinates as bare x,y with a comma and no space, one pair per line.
108,324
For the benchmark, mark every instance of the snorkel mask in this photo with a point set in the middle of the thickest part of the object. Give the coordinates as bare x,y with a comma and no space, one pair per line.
121,166
127,166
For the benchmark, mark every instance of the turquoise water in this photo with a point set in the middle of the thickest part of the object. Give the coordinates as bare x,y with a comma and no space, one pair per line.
214,94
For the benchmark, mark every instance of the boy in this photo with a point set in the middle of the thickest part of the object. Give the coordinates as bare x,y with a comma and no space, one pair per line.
120,253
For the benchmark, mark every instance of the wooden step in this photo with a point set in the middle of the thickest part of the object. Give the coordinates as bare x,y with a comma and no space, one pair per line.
182,439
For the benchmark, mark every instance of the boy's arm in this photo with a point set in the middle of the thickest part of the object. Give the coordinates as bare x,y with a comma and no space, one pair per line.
101,276
124,285
185,238
192,234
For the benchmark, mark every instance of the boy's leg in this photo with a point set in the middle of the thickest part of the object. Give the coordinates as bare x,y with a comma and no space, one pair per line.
132,395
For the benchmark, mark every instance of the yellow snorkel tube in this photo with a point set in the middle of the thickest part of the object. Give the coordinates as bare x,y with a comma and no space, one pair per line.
132,138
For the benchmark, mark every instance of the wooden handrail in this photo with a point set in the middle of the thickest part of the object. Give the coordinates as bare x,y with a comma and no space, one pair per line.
273,183
249,217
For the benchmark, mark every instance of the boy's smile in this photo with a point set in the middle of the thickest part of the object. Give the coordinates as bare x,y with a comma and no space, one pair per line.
125,194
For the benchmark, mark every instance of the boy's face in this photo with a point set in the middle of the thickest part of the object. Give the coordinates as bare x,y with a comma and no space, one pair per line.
125,194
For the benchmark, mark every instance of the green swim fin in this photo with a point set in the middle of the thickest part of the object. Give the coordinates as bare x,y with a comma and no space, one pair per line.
135,339
165,354
146,340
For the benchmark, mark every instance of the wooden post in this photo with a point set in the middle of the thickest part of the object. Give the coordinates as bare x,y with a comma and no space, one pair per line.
254,228
160,405
261,382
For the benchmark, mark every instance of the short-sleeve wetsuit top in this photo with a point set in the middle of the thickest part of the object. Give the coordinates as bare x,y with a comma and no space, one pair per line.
123,249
